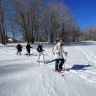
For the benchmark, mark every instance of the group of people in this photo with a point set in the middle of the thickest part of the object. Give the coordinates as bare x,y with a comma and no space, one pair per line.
57,51
28,47
19,49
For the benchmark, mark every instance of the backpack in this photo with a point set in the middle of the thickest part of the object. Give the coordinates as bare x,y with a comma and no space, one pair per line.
53,50
38,49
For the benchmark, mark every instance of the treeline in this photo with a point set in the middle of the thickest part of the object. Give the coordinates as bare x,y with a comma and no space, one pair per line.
89,33
37,20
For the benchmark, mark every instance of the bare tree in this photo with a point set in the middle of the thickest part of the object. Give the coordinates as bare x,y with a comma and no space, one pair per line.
2,23
53,20
27,16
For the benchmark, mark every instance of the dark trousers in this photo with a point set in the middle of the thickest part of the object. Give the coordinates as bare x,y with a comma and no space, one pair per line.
28,52
59,63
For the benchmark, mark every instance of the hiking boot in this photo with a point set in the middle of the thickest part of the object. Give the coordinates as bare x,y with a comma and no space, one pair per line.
61,69
56,70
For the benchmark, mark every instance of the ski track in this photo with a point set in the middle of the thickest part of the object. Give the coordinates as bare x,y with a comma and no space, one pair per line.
90,56
88,76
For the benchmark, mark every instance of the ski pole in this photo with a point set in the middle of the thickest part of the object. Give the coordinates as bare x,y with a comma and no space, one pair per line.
32,50
65,58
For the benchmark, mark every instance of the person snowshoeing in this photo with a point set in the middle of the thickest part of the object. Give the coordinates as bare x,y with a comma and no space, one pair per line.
59,59
40,52
28,49
19,49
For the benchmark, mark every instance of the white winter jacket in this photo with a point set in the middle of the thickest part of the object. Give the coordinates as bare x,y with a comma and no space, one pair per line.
58,50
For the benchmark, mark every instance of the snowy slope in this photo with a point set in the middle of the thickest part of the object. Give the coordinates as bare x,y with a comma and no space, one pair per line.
23,76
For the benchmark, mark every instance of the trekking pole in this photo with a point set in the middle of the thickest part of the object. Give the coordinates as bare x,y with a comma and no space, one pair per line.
32,50
65,58
43,57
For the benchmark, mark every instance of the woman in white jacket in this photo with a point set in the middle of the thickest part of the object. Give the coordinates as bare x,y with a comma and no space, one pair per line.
58,50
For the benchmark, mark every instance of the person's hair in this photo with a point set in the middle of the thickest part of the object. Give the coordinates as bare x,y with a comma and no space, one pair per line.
59,39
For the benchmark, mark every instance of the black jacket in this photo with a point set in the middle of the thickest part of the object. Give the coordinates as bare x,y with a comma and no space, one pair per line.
40,48
19,47
28,47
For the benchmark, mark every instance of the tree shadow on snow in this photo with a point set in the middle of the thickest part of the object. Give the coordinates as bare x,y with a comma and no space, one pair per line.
15,68
83,43
78,67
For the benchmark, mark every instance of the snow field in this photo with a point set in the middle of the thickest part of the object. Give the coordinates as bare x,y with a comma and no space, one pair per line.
23,76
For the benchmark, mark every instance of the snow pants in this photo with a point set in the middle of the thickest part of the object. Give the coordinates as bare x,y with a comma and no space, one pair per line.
59,63
39,54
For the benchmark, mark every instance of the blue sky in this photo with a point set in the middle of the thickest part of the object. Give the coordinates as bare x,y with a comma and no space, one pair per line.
83,10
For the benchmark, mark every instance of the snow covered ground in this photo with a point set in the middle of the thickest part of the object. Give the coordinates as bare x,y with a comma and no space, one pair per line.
23,76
